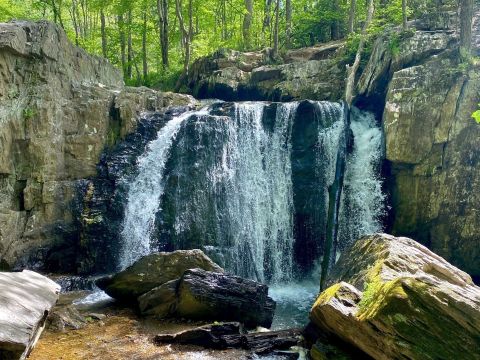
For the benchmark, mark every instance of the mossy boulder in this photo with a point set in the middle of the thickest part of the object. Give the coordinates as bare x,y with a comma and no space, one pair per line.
395,299
152,271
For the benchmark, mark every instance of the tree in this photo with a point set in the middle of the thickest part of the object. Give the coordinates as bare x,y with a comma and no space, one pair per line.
288,20
162,11
247,23
466,16
404,14
276,29
351,16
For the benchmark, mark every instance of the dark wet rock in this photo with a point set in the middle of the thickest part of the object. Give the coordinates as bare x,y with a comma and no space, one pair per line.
229,335
206,295
209,336
26,298
152,271
215,296
395,299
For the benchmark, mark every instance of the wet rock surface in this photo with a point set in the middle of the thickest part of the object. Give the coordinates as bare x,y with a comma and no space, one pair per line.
394,299
152,271
26,299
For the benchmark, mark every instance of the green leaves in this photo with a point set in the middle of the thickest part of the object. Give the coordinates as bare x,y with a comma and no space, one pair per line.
476,115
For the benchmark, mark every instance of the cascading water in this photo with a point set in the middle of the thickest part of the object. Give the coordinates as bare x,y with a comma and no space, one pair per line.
248,183
363,202
145,192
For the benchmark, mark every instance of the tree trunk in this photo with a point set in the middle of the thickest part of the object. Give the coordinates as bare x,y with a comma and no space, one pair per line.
404,14
162,9
121,33
129,46
103,32
288,18
74,20
352,70
247,24
466,16
351,16
185,40
275,31
144,46
335,28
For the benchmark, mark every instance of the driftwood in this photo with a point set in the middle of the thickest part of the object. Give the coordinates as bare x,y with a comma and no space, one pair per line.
229,336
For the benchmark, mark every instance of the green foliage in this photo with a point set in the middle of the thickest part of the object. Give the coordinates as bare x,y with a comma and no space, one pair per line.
215,24
28,113
476,115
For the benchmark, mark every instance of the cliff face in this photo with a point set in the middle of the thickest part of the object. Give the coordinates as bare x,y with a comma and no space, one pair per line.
59,109
432,142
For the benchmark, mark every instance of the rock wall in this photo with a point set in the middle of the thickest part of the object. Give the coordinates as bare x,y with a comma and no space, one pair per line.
59,110
432,142
315,73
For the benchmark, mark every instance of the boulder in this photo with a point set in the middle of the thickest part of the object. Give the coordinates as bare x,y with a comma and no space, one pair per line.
394,299
25,300
154,270
206,295
215,296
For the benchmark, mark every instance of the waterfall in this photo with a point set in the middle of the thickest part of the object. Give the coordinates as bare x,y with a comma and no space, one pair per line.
363,203
259,194
249,183
144,194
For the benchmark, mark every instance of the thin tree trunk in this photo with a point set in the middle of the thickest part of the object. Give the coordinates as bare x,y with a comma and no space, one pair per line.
74,20
466,17
404,14
129,46
185,41
144,46
121,33
351,16
103,32
162,9
335,28
288,18
247,24
275,31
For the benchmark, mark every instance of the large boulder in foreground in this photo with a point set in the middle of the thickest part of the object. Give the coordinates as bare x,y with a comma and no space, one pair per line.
206,295
395,299
154,270
25,301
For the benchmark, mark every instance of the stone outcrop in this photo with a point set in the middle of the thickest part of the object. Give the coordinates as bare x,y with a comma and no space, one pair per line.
433,148
315,73
152,271
26,299
60,109
395,299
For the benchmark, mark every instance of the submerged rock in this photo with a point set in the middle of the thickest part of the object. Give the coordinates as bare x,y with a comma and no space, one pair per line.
154,270
395,299
25,301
